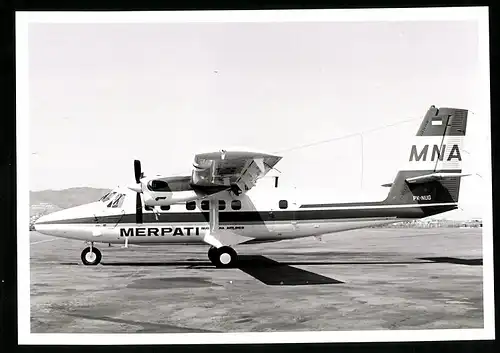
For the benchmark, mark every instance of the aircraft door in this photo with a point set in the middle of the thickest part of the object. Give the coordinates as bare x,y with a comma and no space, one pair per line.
117,218
282,218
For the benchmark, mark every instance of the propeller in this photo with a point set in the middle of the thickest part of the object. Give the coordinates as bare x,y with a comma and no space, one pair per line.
138,189
137,171
138,208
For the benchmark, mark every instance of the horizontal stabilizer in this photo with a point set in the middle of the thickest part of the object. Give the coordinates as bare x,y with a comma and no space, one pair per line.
387,185
434,176
224,238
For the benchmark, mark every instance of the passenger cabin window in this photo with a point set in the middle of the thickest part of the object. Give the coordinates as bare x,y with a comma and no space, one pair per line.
205,204
222,205
236,205
190,205
165,208
283,204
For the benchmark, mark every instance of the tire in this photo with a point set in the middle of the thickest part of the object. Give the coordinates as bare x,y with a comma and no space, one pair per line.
89,260
212,253
225,257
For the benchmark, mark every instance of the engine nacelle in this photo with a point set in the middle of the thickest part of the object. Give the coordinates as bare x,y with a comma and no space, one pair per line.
168,198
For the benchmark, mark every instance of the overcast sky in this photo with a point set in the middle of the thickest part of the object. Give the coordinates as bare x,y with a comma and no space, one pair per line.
102,95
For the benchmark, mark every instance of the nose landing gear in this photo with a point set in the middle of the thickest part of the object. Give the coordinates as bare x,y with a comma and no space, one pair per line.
224,257
91,256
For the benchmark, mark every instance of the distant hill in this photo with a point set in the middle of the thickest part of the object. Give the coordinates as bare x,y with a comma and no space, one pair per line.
60,199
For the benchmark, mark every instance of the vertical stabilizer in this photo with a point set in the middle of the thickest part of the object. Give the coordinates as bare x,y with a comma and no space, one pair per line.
433,167
438,143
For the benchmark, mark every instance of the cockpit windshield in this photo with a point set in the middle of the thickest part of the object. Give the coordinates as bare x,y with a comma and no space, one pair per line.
108,196
117,201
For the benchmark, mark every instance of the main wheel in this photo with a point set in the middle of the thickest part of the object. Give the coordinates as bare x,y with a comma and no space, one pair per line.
225,257
91,258
212,253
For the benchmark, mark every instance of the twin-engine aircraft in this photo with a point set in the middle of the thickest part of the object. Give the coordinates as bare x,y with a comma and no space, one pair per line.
219,204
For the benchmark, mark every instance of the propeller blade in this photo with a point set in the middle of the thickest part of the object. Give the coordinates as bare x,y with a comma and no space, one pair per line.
138,208
137,171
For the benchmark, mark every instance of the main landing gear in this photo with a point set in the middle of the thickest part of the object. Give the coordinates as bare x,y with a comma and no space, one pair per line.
91,256
220,255
223,257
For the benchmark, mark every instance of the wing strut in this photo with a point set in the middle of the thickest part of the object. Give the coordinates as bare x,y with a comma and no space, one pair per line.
217,237
213,219
214,215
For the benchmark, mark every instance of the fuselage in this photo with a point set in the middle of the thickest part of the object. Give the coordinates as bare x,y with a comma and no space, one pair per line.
265,216
176,210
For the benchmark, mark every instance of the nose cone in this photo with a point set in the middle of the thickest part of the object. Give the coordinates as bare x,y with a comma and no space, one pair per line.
46,224
38,221
51,218
58,221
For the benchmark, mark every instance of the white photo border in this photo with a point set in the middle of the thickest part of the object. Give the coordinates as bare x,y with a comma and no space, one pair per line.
23,19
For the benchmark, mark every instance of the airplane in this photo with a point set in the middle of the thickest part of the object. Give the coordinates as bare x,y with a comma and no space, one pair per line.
220,205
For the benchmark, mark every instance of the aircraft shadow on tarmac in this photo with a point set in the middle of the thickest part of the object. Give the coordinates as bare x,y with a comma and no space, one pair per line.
455,260
272,272
284,273
263,269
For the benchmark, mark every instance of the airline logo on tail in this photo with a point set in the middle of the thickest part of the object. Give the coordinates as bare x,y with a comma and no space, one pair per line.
435,153
439,152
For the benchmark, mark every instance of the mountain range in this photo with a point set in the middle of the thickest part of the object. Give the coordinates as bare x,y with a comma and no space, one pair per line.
46,201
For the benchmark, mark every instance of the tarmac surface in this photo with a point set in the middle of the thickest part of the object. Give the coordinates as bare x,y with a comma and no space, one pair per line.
359,280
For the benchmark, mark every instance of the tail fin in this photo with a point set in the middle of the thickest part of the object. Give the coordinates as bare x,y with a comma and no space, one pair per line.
434,166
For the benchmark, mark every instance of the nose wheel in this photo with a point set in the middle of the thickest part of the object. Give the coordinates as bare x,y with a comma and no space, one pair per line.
91,256
223,257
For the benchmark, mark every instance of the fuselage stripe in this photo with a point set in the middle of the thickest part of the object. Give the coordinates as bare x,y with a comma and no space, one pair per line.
244,217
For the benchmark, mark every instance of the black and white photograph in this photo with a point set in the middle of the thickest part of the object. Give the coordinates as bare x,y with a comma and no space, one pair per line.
254,176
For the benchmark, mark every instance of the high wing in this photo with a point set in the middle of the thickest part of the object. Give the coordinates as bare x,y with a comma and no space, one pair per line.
213,173
232,169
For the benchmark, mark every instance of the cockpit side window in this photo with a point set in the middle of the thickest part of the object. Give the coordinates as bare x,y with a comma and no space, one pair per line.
111,199
104,197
